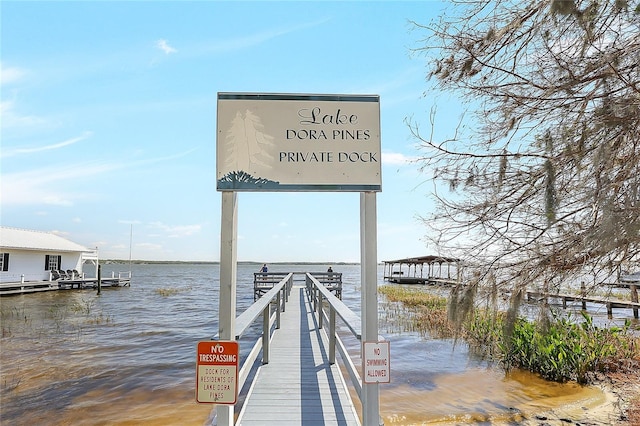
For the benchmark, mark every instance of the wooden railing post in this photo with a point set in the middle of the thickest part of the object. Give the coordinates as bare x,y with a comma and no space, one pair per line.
332,335
319,308
583,294
278,308
265,333
634,298
285,298
287,290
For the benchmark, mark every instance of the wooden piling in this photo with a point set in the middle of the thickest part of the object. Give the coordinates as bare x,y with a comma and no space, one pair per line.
99,280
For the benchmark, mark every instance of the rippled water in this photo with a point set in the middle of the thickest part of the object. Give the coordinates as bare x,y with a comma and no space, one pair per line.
127,357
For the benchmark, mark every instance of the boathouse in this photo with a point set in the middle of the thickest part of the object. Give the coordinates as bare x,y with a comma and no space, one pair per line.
28,255
423,270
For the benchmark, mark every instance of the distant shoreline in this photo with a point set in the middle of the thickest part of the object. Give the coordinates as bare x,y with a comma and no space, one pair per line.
204,262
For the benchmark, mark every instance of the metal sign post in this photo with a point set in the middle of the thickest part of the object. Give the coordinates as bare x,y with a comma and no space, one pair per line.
228,276
369,298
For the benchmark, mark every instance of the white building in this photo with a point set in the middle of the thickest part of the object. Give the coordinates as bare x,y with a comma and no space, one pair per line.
27,255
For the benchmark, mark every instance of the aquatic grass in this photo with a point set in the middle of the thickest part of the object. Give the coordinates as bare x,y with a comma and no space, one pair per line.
56,312
413,297
100,318
558,348
426,311
13,312
166,292
54,321
84,306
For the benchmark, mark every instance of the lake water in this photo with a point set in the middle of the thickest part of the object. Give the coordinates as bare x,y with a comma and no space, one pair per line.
127,357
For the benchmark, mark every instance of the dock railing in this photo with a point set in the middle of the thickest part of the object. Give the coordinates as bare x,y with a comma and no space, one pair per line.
278,295
318,292
265,281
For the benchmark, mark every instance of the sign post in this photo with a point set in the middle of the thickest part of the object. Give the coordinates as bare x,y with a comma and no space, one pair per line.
287,142
217,372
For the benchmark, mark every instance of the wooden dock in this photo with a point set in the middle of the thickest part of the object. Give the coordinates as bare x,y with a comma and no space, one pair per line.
298,386
264,281
25,287
423,270
584,299
421,280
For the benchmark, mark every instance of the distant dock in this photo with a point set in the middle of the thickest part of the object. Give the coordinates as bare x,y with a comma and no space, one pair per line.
24,287
423,270
632,283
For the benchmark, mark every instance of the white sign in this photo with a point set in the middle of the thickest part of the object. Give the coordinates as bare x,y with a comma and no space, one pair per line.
289,142
376,366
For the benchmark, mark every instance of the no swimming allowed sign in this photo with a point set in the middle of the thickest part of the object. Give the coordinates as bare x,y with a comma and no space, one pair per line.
376,365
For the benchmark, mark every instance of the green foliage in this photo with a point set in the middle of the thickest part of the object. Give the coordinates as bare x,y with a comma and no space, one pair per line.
559,348
565,350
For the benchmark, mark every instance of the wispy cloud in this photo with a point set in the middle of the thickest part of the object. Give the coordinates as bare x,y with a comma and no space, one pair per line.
25,151
10,75
11,119
176,231
255,39
41,185
38,186
163,45
396,159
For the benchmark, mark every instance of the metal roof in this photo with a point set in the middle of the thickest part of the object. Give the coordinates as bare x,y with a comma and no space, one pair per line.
24,239
424,259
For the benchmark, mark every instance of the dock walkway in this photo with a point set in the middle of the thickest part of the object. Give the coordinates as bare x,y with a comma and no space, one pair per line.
298,386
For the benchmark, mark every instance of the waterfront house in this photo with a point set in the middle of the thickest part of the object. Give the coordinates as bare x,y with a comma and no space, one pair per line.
28,255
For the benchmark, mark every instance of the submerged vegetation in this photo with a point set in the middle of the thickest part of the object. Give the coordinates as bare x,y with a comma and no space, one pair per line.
557,348
57,320
166,292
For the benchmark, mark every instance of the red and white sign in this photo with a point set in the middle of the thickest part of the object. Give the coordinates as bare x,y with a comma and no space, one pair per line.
217,372
376,366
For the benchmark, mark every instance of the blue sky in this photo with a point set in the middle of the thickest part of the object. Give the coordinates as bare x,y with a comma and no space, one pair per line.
108,122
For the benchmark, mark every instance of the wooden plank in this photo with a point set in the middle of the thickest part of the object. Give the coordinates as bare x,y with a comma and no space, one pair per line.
298,386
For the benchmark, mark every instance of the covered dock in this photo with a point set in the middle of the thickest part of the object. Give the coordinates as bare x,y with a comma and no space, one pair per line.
430,269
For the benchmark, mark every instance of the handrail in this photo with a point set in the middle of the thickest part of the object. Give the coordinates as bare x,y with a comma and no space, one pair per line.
244,320
350,318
